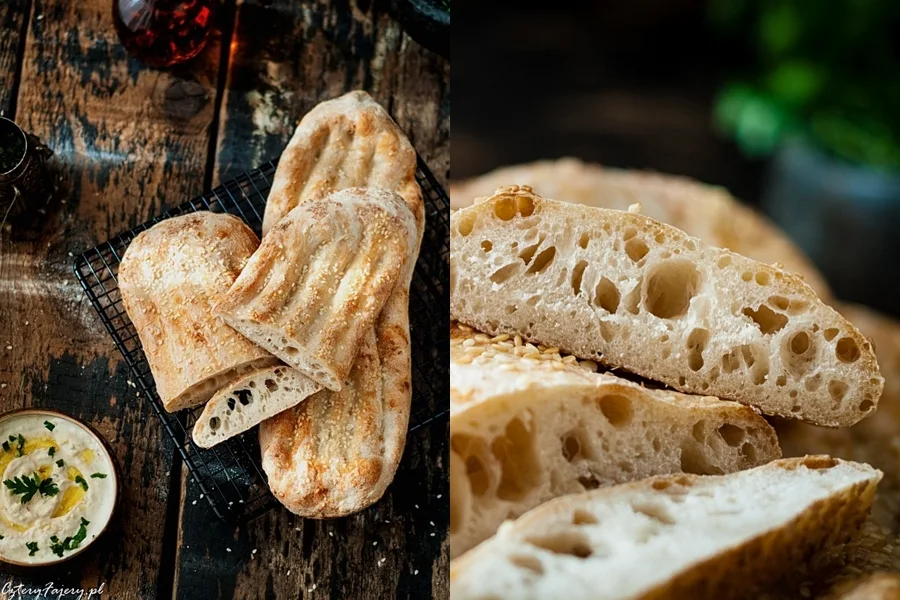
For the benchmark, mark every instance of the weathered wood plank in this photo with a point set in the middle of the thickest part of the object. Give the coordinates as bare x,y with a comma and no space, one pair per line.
127,143
286,57
12,32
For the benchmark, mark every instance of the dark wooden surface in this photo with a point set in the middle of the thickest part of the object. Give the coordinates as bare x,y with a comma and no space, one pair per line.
131,141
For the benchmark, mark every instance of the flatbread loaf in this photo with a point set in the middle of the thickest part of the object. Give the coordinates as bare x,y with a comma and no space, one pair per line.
350,141
704,211
674,536
170,278
320,278
528,424
376,396
644,296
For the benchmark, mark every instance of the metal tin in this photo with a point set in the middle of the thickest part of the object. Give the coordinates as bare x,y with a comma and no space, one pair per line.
28,181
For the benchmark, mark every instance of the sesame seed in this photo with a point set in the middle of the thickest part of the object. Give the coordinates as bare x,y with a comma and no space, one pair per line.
227,549
416,572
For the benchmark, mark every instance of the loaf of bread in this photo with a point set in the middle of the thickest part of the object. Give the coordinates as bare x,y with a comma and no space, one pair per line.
644,296
336,453
170,278
320,278
674,536
528,425
704,211
314,466
249,401
350,141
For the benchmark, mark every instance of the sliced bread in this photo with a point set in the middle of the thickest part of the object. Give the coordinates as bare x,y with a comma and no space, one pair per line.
249,401
320,279
170,278
701,210
674,536
644,296
528,425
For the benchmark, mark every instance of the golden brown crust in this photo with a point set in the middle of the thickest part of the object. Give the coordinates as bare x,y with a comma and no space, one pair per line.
350,141
391,164
170,277
320,278
704,211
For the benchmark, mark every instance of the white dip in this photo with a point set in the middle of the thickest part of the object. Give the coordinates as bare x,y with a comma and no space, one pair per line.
57,488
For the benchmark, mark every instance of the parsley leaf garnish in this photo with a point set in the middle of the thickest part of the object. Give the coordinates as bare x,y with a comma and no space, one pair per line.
32,547
51,451
60,463
28,487
80,481
50,426
21,447
98,475
6,446
71,542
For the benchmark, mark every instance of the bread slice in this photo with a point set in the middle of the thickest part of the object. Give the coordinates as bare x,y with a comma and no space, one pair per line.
528,425
336,453
320,278
704,211
249,401
170,278
350,141
646,297
673,536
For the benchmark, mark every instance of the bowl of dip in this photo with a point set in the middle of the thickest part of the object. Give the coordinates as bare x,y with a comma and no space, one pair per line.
58,488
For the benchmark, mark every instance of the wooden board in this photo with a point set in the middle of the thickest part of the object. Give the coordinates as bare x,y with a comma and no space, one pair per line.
127,145
12,28
395,548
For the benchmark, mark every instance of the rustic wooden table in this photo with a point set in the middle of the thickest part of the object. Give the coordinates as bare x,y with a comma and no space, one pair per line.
130,141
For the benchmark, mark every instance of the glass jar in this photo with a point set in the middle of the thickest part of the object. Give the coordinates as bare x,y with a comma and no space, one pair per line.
162,33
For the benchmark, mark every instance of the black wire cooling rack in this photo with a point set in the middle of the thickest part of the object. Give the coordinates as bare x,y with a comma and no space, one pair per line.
229,475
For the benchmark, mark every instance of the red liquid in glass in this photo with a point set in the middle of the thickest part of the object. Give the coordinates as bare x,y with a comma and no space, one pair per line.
162,33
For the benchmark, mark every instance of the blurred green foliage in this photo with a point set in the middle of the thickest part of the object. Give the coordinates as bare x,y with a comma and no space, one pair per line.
828,70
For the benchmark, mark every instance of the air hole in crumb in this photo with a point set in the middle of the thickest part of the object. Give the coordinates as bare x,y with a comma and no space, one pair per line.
696,343
800,343
474,453
847,351
583,517
505,208
779,302
231,404
767,320
524,205
657,445
252,385
866,405
616,408
732,434
830,333
487,246
542,260
515,451
781,381
271,385
214,423
510,309
813,383
589,482
466,223
629,233
577,275
571,543
748,451
527,254
657,512
504,273
245,397
763,278
575,445
837,390
747,276
606,295
636,249
723,261
583,240
730,362
529,563
698,431
819,462
670,288
660,238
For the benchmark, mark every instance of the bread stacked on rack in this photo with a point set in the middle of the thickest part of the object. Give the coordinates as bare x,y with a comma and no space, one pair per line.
546,294
307,332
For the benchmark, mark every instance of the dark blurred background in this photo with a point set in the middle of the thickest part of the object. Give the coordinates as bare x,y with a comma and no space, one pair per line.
793,105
